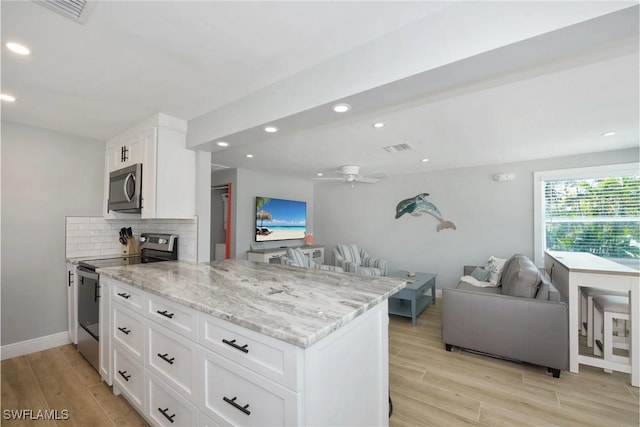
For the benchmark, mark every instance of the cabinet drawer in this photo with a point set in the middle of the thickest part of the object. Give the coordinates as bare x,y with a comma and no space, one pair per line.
178,318
128,296
128,331
271,358
129,377
166,408
172,358
240,397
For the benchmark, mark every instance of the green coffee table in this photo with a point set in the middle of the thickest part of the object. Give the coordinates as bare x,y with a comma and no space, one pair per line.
410,301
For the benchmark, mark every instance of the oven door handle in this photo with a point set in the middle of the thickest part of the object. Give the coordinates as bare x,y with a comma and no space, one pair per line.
83,272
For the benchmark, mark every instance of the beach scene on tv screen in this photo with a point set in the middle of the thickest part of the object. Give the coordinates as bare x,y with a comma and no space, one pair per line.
278,219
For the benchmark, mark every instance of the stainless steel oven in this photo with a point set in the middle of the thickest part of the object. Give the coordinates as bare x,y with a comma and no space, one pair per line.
88,314
154,247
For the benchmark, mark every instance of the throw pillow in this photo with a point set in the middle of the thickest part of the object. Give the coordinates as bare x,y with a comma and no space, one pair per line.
297,258
481,274
494,265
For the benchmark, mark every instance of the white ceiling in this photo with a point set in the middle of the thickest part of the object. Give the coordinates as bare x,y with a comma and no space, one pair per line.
551,93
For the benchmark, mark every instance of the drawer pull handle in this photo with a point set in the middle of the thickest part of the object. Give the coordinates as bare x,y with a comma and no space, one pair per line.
233,344
125,330
165,313
233,403
164,412
166,359
124,375
124,295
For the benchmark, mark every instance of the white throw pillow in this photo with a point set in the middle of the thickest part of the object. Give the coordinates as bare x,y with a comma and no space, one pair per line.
494,265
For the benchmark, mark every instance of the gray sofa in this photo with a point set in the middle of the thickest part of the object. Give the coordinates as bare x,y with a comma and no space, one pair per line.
522,319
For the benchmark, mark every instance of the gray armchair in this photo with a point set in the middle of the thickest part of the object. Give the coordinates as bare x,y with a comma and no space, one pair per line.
522,319
356,260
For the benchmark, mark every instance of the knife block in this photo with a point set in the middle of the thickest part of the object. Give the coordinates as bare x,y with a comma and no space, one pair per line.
131,248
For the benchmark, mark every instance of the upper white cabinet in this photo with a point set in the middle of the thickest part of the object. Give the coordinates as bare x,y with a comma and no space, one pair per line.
125,150
168,167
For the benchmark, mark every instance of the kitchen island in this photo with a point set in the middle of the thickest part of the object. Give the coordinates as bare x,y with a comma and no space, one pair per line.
242,343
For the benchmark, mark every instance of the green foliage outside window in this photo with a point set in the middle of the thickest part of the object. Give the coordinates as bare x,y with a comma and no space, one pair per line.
600,216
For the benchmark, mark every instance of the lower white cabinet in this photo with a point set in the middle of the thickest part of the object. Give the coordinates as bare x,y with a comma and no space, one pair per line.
172,358
72,310
166,407
129,378
204,371
236,396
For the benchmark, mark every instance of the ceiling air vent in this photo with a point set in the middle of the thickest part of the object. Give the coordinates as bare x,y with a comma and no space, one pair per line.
76,10
398,147
216,167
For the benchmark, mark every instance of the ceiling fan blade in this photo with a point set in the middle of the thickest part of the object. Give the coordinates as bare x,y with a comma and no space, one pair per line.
367,180
327,179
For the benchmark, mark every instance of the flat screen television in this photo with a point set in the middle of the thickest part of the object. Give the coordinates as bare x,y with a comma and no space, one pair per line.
280,219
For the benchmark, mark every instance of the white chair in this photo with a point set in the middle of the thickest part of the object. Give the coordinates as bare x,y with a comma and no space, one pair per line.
586,309
296,258
605,309
356,260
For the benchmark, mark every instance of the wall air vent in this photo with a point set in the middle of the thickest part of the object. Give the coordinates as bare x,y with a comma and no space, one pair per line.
76,10
398,147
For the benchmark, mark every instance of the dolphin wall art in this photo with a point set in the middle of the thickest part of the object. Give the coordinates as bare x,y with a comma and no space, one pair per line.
418,204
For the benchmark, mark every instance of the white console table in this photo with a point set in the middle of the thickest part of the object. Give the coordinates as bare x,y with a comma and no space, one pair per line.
572,270
272,255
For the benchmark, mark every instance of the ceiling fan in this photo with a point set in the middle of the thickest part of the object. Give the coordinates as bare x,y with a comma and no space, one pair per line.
351,175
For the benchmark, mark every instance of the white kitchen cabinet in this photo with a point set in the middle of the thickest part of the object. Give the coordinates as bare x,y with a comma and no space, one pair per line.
168,175
72,298
215,372
125,150
104,343
168,167
128,378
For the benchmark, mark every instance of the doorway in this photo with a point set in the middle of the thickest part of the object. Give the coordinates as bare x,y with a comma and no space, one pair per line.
221,196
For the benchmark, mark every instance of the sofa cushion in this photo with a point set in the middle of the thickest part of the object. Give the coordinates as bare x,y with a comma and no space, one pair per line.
469,287
546,290
350,253
521,277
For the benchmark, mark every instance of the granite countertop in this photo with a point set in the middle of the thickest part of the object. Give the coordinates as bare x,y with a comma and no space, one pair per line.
296,305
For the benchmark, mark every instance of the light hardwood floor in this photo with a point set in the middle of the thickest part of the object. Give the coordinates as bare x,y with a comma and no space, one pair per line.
432,387
429,387
61,379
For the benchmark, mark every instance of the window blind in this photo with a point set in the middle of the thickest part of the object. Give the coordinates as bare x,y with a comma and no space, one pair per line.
596,215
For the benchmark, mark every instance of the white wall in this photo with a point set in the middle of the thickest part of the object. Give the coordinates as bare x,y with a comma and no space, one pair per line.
251,184
46,176
492,218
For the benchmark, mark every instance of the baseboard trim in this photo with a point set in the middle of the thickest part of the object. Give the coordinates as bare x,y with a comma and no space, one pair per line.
31,346
438,293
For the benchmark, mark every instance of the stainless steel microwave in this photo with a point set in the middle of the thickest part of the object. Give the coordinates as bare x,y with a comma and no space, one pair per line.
125,189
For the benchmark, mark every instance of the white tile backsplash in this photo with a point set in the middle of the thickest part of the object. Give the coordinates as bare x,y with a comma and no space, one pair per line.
96,236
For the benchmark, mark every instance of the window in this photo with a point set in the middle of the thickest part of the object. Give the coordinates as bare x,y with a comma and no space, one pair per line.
594,210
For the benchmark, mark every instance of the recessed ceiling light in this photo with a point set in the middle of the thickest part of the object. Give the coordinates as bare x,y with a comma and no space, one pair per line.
341,108
424,160
378,125
222,144
18,48
319,174
610,133
250,156
8,98
270,129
